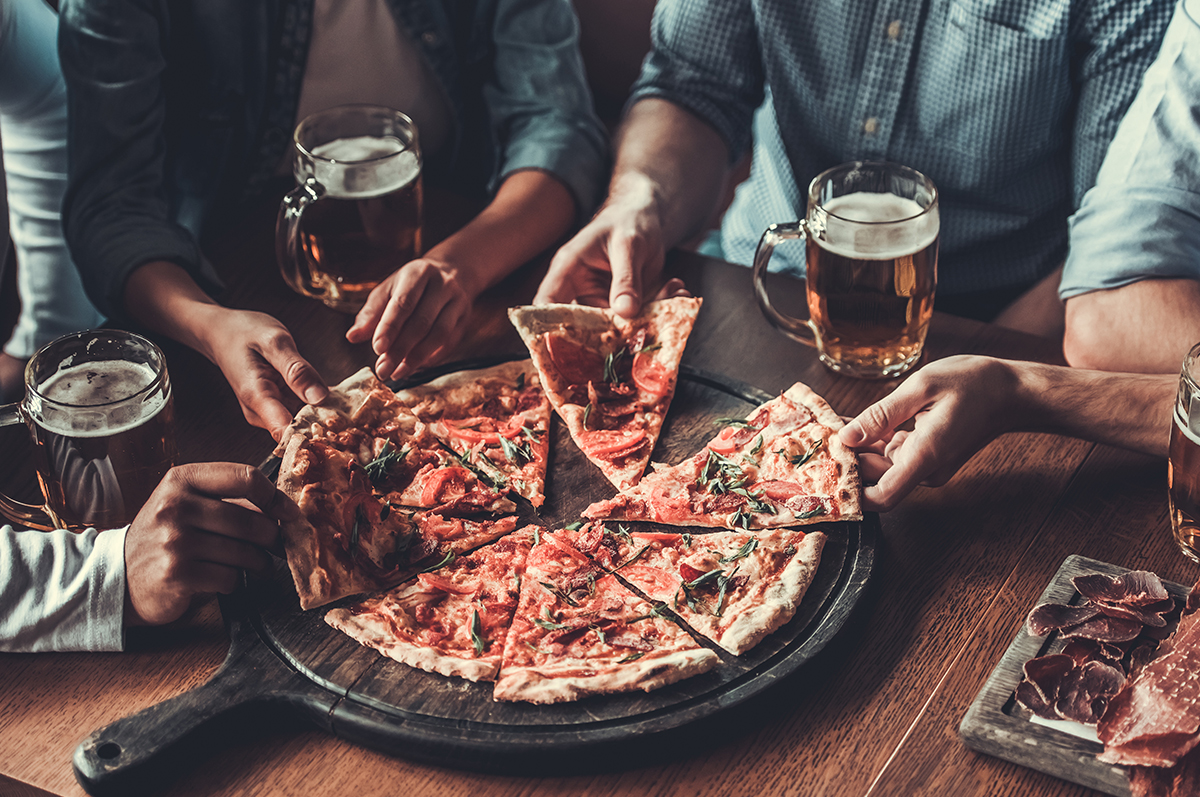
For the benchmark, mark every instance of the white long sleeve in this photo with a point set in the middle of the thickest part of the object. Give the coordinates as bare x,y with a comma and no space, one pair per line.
61,590
33,134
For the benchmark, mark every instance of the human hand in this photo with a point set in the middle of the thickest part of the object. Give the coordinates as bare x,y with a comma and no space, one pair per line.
188,540
258,357
413,315
614,259
958,405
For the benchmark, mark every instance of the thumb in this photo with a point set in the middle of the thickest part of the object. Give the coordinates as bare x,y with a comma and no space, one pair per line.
625,295
882,418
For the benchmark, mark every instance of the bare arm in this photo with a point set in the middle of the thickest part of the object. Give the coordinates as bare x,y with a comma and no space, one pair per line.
1143,327
668,178
422,308
255,352
960,404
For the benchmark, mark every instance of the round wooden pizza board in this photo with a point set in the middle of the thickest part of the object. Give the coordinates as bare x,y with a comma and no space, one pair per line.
281,656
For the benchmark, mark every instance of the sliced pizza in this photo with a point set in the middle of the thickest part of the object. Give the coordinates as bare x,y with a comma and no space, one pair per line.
609,378
453,620
497,420
783,465
732,587
577,632
350,538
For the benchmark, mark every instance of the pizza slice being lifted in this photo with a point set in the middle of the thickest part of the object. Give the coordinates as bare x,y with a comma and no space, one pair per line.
453,620
781,466
732,587
496,420
578,631
609,378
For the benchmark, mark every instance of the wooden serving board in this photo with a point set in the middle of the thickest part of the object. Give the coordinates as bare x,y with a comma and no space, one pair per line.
283,657
997,725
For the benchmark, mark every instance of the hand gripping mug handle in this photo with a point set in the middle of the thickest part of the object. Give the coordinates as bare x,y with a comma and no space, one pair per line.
797,328
287,236
27,515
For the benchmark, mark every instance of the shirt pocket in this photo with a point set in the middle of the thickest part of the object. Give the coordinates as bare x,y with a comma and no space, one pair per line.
993,89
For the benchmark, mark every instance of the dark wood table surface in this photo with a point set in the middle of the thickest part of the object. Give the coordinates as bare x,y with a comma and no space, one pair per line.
876,713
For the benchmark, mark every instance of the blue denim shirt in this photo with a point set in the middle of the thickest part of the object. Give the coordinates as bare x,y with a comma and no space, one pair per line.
1008,105
179,110
1142,220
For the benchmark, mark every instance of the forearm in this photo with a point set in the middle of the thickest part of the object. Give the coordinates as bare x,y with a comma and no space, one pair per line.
165,298
1132,411
530,213
1143,327
671,162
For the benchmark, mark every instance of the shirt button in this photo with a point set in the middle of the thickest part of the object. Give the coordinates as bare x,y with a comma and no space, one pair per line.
893,30
430,37
870,126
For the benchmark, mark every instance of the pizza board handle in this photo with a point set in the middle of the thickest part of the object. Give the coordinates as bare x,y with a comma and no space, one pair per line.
136,754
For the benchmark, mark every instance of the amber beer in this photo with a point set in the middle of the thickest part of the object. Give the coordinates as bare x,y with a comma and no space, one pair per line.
871,250
98,462
368,222
1183,462
356,213
871,286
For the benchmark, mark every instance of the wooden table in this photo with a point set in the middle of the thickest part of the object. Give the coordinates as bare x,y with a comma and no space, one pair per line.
875,714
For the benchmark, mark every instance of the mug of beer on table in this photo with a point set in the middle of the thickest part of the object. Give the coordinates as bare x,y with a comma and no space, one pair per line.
1183,461
356,213
99,408
871,237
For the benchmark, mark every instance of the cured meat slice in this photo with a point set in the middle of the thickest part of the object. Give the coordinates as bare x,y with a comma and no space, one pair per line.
1085,691
1045,674
1049,616
1151,615
1106,629
1137,587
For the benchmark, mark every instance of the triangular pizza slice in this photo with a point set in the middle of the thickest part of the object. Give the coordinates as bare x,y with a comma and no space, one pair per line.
350,539
497,420
783,465
732,587
578,631
452,620
609,378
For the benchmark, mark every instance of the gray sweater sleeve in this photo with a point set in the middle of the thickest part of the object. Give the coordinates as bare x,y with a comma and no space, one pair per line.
61,590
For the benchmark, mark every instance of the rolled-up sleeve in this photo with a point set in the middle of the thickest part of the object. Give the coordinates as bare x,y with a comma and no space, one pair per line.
61,590
116,212
705,58
539,101
1142,218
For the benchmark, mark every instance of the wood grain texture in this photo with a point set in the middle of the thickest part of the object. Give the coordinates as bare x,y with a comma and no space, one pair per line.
877,712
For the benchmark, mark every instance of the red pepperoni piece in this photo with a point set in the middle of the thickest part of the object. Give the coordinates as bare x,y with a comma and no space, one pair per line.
609,442
445,484
650,376
575,363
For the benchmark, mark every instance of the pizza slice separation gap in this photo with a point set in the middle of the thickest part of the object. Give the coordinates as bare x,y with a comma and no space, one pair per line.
733,588
578,631
783,465
453,620
609,378
495,420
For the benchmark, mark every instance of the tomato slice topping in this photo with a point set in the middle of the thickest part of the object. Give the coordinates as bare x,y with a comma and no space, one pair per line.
650,376
610,442
575,363
434,581
689,573
654,580
724,443
445,484
779,490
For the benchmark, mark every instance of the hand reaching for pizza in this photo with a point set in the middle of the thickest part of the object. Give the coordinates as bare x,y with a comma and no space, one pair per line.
613,261
202,525
957,406
417,312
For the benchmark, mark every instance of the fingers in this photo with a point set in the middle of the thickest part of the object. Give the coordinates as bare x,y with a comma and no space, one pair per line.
367,319
674,287
280,352
558,284
882,418
223,480
625,295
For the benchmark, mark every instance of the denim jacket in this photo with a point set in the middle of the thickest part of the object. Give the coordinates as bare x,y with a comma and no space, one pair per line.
181,109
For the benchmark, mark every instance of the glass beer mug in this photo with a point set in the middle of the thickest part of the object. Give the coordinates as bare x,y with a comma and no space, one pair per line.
871,236
99,408
1183,461
356,213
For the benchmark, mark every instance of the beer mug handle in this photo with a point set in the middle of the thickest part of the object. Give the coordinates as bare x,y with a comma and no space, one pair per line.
796,328
287,236
26,515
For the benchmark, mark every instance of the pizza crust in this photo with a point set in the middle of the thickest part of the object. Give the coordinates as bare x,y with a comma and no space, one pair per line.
564,682
375,633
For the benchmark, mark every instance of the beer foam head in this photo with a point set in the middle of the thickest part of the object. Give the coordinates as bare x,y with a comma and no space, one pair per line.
360,167
857,225
101,388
